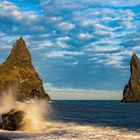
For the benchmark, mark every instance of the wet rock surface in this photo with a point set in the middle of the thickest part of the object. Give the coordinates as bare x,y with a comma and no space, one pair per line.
12,120
131,92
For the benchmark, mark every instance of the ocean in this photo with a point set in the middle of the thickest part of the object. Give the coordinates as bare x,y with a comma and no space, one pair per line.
85,120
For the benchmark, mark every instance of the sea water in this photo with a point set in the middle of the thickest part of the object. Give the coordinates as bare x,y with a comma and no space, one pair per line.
85,120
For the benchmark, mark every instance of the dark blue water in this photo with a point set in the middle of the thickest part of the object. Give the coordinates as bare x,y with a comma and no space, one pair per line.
105,113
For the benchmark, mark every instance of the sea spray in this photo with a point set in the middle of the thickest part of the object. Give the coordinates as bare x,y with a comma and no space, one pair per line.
35,110
35,114
7,100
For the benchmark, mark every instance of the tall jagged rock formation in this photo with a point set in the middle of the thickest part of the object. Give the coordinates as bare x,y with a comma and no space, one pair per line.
18,70
131,92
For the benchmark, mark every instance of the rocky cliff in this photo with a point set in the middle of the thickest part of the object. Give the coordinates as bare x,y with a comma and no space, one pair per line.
18,70
131,92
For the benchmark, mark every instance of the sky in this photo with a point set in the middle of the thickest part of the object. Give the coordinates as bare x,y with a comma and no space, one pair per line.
80,48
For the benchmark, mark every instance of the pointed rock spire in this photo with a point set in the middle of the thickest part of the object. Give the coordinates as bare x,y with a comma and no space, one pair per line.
18,69
21,38
131,92
19,54
134,60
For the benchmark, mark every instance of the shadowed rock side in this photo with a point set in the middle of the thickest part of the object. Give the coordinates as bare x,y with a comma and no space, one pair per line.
17,70
12,120
131,92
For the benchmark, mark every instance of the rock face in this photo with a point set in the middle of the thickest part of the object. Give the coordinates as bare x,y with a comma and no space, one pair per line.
131,92
18,70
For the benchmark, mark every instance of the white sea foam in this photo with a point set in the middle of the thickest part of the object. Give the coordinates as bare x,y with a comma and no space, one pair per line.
73,131
37,127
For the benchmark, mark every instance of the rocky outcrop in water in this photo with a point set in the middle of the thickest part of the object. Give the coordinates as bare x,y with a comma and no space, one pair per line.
18,70
12,120
131,92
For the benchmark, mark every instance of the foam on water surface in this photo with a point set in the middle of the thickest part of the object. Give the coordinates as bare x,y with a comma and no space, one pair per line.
72,131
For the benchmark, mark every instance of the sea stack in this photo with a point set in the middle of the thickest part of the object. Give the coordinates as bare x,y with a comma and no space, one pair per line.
131,92
18,71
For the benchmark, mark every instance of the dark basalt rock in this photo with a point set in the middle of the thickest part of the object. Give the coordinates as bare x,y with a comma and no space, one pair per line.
12,120
131,92
18,70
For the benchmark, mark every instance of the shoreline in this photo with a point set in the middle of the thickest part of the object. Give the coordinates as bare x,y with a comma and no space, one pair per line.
71,131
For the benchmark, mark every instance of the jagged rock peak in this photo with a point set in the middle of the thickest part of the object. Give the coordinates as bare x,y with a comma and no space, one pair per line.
21,38
19,54
134,60
131,92
20,42
18,69
18,72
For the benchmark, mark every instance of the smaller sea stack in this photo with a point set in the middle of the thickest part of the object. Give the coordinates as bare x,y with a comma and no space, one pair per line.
131,92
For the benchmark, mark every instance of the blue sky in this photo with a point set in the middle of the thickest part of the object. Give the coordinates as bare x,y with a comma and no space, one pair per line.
81,48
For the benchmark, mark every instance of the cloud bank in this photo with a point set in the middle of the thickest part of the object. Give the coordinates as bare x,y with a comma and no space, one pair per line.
79,44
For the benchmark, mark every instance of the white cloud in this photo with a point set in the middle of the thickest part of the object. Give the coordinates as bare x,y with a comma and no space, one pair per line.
105,48
54,19
37,48
70,63
108,19
105,42
99,26
75,63
112,59
63,38
85,36
62,44
66,26
87,22
62,54
47,44
7,41
106,34
6,47
81,94
10,10
136,48
40,45
73,28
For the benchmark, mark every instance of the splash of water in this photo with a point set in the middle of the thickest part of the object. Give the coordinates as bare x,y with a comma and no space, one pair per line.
7,100
35,114
35,110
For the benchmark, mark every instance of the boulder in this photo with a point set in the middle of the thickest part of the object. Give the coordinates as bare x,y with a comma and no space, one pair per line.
12,120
